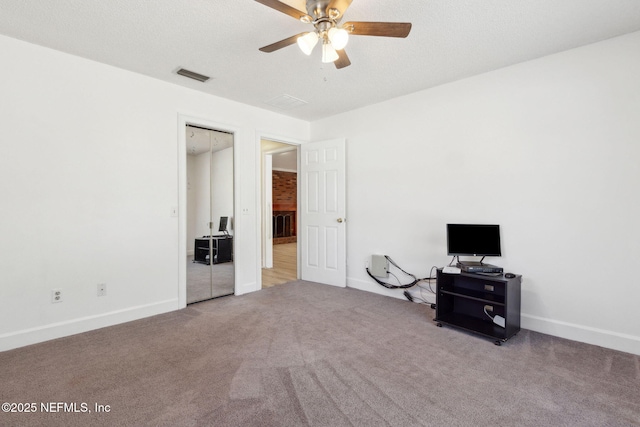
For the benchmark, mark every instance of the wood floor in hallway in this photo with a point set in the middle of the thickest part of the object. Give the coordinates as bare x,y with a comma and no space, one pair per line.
285,265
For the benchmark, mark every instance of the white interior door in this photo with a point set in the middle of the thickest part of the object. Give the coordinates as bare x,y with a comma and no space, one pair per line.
323,207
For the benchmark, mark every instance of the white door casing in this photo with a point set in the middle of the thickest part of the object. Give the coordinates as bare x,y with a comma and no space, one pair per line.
267,180
323,210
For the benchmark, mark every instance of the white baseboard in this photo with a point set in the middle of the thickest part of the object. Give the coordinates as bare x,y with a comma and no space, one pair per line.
571,331
375,288
586,334
246,288
84,324
609,339
370,286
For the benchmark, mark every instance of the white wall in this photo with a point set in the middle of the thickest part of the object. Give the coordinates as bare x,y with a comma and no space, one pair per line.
548,149
89,165
88,178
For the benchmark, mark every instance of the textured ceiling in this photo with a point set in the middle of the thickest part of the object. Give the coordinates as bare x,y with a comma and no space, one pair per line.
450,40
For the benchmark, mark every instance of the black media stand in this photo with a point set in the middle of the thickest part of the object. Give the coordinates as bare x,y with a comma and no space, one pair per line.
461,301
222,249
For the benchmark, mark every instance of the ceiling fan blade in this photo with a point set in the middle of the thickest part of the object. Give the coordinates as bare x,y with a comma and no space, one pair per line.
285,8
343,59
282,43
341,5
383,29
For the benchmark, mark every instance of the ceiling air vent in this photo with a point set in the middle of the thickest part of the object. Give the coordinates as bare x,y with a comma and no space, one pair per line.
192,75
286,102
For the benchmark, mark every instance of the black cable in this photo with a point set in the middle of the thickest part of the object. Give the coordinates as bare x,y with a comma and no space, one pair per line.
408,296
398,267
430,289
428,280
422,300
408,285
389,285
396,277
432,277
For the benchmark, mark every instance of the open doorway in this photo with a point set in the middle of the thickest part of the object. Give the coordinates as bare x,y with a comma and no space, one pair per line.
280,213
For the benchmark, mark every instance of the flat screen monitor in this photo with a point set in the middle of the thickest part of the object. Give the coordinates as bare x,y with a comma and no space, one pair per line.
473,240
223,223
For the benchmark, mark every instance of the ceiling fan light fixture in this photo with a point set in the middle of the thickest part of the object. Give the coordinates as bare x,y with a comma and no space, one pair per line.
329,53
325,16
339,37
307,42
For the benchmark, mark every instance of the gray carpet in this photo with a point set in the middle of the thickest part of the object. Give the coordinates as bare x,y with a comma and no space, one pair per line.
200,285
304,354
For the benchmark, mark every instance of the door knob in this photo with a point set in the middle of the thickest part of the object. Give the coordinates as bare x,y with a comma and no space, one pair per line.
340,220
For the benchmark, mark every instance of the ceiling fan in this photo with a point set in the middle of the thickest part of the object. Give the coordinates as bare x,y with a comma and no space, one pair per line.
325,15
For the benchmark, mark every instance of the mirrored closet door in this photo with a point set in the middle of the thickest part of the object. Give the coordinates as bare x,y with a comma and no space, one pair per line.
210,266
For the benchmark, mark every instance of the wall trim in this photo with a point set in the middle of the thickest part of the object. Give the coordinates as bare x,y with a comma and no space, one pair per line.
245,288
84,324
571,331
380,290
600,337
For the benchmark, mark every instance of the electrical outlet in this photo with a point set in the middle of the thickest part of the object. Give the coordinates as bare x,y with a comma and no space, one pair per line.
102,289
56,296
489,308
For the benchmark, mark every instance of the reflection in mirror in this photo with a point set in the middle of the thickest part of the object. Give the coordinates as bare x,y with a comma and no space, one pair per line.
210,267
